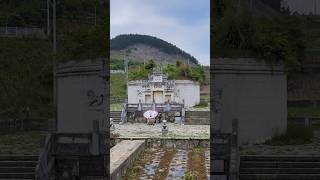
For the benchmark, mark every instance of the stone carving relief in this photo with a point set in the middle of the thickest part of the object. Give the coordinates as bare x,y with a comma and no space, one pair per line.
94,99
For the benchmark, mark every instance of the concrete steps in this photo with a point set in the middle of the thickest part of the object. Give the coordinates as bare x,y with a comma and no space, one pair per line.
17,167
116,115
279,167
197,117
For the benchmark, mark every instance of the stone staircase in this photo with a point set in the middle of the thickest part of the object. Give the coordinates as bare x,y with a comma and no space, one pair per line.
17,167
279,167
116,115
197,118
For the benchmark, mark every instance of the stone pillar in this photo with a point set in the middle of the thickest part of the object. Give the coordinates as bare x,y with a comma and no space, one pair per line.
253,92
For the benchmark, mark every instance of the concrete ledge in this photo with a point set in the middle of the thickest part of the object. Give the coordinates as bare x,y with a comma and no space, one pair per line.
122,156
182,143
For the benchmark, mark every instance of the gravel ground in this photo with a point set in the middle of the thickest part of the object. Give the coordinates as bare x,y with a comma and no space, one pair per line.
154,131
305,149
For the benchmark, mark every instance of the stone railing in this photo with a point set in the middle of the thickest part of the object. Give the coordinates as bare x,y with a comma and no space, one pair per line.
160,107
83,151
44,169
225,158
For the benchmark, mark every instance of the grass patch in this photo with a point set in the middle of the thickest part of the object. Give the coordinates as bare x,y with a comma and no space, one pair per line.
204,101
295,135
118,86
163,169
303,112
21,142
116,107
136,170
196,164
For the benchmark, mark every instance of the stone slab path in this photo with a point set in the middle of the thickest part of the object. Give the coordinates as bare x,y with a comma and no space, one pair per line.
177,169
149,169
178,165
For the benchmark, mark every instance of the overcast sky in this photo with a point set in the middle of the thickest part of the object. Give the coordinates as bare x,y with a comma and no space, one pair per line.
183,23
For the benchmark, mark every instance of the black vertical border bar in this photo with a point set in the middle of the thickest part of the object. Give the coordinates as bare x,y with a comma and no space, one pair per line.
107,140
212,4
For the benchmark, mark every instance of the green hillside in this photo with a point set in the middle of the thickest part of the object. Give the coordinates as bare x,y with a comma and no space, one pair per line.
123,41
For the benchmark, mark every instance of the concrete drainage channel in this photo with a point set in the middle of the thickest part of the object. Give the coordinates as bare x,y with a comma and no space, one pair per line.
160,158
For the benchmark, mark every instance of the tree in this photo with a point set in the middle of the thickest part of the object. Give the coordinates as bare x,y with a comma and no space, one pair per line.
178,63
151,64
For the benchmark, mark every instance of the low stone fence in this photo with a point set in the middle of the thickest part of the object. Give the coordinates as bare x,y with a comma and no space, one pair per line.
304,103
305,121
181,143
34,124
22,32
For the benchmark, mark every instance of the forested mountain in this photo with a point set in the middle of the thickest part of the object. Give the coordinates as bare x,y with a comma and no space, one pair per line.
134,42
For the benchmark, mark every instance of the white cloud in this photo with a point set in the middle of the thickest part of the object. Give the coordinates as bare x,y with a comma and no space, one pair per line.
142,17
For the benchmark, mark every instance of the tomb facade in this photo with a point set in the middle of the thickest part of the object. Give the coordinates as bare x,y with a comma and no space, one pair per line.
158,89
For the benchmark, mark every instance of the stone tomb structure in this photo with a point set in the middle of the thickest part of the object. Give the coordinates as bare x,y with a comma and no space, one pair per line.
253,92
81,96
78,148
158,89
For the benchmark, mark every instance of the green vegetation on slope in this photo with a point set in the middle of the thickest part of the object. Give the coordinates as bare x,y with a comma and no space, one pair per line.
21,142
118,86
124,41
116,64
26,80
295,135
178,71
240,32
25,77
33,12
303,112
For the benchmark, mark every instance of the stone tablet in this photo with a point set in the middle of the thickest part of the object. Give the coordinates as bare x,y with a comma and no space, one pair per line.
252,91
81,96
